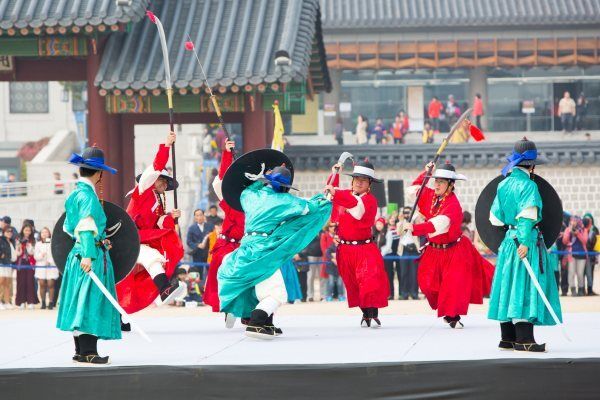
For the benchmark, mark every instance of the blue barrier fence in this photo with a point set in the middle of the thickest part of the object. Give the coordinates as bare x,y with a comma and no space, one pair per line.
302,263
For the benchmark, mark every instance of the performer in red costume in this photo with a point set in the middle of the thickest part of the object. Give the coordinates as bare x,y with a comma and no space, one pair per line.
359,261
161,248
232,232
452,273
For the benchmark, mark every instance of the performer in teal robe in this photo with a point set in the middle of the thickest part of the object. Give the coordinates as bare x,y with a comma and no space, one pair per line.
278,226
292,283
514,300
83,309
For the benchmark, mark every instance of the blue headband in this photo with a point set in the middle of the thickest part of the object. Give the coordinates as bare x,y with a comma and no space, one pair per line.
94,162
516,158
276,180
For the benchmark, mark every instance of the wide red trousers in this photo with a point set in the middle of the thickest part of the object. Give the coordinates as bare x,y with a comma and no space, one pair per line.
137,290
211,289
361,268
453,278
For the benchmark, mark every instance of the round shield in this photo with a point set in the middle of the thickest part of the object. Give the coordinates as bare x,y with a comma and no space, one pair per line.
235,179
493,236
120,230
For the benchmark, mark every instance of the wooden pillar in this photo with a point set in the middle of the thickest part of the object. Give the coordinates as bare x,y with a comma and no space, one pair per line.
98,120
269,125
254,124
127,140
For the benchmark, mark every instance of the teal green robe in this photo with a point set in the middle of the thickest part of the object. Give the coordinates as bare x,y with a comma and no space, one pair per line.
82,306
513,295
290,223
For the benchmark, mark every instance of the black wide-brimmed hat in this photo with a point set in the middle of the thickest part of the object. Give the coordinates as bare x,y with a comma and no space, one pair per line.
91,158
172,184
524,154
252,167
447,171
364,169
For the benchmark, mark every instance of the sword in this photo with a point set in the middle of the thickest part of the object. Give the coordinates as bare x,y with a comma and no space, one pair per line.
543,295
341,160
113,301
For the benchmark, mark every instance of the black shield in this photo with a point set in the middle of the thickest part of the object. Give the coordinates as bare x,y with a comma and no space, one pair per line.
235,180
493,236
120,230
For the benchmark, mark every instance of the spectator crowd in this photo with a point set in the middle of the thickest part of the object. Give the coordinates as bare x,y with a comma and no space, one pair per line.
29,278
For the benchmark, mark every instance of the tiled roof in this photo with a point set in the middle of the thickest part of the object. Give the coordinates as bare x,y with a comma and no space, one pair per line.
408,14
236,41
461,155
19,14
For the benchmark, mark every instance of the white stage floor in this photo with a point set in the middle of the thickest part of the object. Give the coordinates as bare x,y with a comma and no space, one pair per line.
307,339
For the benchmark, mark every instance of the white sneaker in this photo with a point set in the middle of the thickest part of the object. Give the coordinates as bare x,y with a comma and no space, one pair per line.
9,306
30,306
229,320
2,307
22,306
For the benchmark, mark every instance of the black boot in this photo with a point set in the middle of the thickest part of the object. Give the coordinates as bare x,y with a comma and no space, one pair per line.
51,305
77,348
580,292
375,318
257,326
590,292
43,304
525,340
168,291
365,322
271,325
125,327
89,351
454,322
509,336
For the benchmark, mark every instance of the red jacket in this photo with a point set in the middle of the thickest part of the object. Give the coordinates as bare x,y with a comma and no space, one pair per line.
145,208
347,207
447,219
434,109
234,222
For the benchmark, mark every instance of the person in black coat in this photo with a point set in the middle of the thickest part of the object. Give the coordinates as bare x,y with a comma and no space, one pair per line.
197,241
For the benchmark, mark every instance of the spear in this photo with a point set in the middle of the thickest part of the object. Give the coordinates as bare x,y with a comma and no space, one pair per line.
165,51
189,46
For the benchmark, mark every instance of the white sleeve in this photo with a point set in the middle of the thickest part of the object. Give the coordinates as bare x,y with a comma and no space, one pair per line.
441,224
86,224
495,221
387,247
217,187
358,210
149,176
529,213
38,251
13,253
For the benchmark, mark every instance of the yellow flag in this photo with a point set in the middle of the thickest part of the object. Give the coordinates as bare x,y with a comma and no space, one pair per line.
278,129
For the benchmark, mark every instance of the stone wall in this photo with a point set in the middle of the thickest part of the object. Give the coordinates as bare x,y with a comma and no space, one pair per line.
578,186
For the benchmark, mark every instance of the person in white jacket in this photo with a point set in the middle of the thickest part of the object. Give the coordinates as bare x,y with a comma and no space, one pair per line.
45,271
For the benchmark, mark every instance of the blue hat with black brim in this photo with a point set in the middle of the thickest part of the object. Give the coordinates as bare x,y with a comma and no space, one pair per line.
91,158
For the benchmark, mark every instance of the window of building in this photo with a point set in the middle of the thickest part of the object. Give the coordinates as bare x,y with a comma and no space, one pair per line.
28,97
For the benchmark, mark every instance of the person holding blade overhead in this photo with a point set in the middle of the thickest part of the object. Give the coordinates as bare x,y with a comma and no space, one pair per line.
514,300
83,309
232,232
452,274
161,248
359,261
